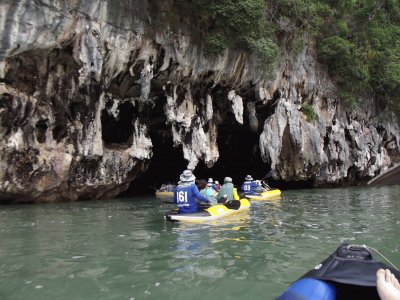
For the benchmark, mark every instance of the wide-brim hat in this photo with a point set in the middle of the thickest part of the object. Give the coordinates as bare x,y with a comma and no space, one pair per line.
227,179
210,180
187,176
248,177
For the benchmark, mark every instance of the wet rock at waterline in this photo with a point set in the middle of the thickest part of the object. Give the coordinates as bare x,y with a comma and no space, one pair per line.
83,85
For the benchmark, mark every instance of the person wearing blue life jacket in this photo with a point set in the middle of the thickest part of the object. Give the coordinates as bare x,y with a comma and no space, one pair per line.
250,187
186,193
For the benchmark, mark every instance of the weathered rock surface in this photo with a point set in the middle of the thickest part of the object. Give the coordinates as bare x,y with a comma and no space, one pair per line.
80,83
340,146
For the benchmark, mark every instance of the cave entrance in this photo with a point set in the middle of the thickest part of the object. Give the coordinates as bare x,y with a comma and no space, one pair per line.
167,162
165,166
239,155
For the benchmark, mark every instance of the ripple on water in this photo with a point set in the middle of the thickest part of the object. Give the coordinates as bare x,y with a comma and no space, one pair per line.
123,249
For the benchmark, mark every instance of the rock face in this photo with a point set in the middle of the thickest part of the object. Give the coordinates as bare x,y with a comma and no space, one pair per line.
339,146
82,84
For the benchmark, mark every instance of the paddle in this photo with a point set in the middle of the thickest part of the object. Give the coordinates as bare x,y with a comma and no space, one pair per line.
233,204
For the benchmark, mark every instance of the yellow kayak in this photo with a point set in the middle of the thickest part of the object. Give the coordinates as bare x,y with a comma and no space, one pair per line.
164,194
212,213
271,194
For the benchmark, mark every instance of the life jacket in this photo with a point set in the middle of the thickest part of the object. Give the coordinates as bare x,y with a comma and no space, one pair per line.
248,187
210,194
226,189
185,195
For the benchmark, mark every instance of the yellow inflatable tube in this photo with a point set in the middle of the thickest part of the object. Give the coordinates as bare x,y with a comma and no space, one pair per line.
164,194
271,194
212,213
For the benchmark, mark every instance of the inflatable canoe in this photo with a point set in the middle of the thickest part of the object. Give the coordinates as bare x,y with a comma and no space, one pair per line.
348,273
164,194
271,194
210,214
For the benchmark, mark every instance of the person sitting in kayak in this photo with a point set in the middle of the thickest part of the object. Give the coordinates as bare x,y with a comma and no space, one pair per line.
227,192
265,185
210,180
163,188
186,193
250,187
201,185
216,186
260,188
169,187
210,193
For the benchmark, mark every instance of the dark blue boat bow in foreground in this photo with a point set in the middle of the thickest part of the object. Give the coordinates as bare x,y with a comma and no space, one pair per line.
348,273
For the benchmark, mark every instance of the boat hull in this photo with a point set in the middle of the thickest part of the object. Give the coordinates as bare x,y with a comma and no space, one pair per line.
272,194
212,213
349,271
164,194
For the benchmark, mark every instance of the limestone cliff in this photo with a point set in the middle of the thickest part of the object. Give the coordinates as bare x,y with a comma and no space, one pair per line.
80,83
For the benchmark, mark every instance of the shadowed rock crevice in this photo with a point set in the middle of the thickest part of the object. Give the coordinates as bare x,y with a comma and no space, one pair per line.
41,129
117,125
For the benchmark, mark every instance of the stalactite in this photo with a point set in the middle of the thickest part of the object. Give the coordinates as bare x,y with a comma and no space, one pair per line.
79,94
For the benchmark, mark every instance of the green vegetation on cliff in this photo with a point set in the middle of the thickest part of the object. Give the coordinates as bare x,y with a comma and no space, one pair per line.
309,112
360,45
232,23
357,40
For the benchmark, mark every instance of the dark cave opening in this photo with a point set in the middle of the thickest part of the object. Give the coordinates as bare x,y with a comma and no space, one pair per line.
165,166
167,162
118,130
239,155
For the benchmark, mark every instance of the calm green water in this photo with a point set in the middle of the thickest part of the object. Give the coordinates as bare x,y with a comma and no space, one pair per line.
123,249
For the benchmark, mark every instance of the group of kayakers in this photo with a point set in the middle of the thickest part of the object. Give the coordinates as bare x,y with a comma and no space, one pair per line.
217,193
210,192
